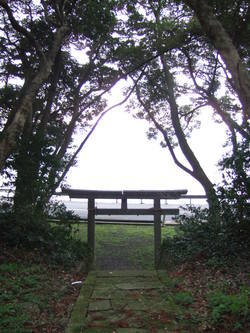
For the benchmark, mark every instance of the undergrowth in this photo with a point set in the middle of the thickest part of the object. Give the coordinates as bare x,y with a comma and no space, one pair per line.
198,239
30,230
38,261
230,311
35,296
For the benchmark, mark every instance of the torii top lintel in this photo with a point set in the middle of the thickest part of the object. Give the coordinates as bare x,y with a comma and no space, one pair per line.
129,194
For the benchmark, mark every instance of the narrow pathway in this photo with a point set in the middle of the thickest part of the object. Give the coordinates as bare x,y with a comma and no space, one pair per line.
124,302
121,247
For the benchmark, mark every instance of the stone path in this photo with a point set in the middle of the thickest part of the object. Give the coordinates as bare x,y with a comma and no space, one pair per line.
122,302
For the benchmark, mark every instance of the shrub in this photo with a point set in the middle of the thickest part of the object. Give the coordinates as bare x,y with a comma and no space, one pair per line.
229,235
184,298
234,192
32,230
222,305
199,239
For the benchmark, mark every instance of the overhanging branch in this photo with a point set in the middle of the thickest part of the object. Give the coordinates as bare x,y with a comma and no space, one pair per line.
71,162
161,129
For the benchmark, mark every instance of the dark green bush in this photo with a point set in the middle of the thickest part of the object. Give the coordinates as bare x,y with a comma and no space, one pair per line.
199,239
31,230
234,192
226,238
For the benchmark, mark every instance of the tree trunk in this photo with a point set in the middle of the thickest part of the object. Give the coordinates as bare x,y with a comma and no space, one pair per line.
15,124
26,178
30,187
197,171
228,52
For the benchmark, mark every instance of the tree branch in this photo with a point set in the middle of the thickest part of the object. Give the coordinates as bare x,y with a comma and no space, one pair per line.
72,160
161,129
212,100
222,42
214,103
20,29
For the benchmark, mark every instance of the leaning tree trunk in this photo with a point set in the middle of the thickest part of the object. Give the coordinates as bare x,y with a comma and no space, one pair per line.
228,52
16,121
197,171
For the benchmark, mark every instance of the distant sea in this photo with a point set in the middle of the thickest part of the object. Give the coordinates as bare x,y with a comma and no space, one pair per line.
79,207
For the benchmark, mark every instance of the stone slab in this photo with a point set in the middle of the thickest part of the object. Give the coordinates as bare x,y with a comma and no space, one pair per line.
100,305
96,330
139,285
111,282
121,302
137,306
102,293
126,273
130,330
107,318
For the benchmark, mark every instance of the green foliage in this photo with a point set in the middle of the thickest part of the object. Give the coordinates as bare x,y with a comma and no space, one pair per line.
58,210
198,239
226,238
56,241
236,305
92,19
184,298
65,100
235,190
65,249
16,279
193,237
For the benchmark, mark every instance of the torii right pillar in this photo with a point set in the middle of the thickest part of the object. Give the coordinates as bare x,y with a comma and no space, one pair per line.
157,231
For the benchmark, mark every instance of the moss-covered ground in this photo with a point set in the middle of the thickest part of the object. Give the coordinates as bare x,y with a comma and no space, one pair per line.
120,247
125,295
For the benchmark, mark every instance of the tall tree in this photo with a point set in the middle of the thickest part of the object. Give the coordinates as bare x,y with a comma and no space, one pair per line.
32,36
71,97
226,46
194,60
158,91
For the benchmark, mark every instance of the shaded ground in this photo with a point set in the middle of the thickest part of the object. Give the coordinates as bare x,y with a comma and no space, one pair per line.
195,297
149,302
35,297
190,298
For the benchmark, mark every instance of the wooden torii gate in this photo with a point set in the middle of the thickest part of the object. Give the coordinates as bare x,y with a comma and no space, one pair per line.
156,210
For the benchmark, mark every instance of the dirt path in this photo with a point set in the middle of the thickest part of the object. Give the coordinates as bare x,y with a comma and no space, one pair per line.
120,251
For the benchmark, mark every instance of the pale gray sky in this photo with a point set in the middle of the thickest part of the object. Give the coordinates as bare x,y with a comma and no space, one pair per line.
119,156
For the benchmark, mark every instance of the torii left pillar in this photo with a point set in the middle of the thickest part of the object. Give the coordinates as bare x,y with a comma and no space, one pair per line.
91,230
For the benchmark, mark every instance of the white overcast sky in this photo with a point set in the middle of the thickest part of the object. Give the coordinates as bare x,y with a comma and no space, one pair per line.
119,156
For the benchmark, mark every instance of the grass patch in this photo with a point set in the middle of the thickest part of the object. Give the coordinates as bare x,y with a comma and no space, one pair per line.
124,246
21,298
215,299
